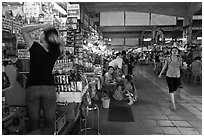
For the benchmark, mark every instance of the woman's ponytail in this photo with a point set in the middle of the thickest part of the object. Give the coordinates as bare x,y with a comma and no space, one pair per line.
52,44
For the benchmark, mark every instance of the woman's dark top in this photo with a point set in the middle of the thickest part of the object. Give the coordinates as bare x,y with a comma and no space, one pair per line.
41,65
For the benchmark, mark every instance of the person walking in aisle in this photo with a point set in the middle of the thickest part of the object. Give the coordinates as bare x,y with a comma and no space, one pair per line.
131,64
117,65
173,64
41,93
125,63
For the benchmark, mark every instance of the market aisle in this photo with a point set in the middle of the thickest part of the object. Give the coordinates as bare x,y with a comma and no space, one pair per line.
188,117
152,114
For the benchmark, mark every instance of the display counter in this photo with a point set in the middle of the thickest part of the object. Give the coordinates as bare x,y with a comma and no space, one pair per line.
14,106
68,110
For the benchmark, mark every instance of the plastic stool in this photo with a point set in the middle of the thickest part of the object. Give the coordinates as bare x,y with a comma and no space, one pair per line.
86,129
186,76
195,78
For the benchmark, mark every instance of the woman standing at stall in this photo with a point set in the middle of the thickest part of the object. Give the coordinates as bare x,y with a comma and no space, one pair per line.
173,64
40,92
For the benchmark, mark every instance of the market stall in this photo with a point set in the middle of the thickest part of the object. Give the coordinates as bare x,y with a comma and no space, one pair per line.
78,70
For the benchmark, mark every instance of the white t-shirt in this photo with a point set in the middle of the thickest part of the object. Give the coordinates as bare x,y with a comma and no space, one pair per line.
116,62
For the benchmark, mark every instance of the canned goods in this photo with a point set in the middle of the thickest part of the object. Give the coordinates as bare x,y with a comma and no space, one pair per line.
75,86
65,88
67,79
63,79
60,79
69,88
58,88
62,88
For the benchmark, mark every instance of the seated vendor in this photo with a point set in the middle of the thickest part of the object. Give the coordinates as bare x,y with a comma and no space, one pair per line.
109,82
197,66
129,89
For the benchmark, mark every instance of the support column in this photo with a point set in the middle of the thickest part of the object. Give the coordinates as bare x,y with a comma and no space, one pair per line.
124,44
190,10
153,35
141,38
187,32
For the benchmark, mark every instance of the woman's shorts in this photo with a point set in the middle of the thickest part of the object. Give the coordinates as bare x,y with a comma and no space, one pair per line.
173,83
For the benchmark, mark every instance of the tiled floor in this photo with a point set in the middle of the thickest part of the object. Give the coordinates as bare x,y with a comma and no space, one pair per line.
152,113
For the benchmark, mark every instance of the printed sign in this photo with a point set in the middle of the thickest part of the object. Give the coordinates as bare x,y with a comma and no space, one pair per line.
73,10
23,54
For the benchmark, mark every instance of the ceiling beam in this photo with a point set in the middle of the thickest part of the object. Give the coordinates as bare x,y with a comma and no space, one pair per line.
194,7
121,35
166,8
134,28
168,34
123,29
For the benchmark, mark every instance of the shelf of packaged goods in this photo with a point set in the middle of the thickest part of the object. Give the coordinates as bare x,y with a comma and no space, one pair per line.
11,24
59,74
6,30
90,74
5,26
61,29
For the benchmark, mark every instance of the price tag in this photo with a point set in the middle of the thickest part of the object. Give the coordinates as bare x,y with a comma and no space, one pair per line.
23,54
